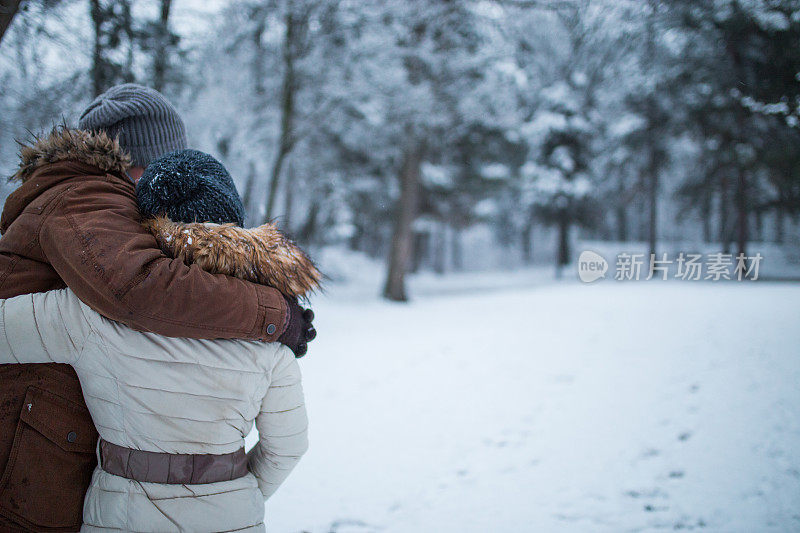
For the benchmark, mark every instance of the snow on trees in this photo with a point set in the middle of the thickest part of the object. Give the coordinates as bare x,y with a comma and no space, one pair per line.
396,128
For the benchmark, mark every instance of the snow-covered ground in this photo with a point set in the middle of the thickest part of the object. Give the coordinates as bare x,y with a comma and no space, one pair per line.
507,403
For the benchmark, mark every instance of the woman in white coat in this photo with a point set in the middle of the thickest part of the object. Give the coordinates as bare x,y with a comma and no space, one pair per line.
172,413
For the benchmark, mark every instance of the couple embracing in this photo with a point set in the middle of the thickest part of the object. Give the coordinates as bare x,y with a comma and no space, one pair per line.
143,331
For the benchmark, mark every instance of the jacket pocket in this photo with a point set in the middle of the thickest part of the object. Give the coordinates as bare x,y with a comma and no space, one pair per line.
51,463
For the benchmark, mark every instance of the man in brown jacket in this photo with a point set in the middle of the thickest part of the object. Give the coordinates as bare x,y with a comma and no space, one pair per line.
74,222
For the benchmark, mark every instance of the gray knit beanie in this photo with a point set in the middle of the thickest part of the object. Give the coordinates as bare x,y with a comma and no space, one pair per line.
144,121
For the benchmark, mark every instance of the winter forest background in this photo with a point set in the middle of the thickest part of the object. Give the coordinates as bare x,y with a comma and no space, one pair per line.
451,135
460,155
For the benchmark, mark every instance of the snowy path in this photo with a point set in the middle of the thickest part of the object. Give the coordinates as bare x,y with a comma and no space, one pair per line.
615,407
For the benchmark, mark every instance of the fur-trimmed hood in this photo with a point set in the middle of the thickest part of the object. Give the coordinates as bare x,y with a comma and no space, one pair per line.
262,255
65,144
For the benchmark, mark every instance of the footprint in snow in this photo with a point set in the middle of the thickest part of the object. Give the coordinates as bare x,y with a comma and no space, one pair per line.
650,508
649,493
650,452
347,525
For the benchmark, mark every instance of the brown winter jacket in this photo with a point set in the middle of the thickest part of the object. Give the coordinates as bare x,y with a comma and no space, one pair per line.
74,222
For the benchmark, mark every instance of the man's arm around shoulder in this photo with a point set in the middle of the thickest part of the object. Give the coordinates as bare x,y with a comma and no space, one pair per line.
94,239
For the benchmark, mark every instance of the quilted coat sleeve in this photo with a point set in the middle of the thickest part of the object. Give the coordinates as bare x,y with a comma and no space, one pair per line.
45,327
282,426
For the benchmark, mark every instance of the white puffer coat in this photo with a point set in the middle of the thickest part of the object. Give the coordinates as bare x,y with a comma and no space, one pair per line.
161,394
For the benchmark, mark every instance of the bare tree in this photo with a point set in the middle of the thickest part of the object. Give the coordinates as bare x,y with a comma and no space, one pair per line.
652,169
258,70
98,77
110,21
401,253
160,50
294,44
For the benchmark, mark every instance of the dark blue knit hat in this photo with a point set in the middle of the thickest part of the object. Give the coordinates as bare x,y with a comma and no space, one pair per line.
189,186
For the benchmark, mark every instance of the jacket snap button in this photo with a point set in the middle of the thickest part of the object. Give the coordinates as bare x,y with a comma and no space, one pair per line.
271,329
72,436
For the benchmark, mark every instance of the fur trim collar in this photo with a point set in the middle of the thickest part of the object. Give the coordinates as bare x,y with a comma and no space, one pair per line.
262,255
64,144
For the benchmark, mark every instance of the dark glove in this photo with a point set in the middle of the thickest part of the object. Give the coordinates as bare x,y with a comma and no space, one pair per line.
300,330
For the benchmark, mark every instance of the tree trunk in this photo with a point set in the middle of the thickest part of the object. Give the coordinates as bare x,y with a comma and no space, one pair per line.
274,182
259,52
758,226
19,50
8,8
439,250
105,72
621,208
456,250
705,213
400,255
562,258
622,223
724,233
160,53
732,47
309,229
780,226
653,162
288,199
127,29
641,224
257,71
420,247
98,74
653,209
741,212
288,88
527,241
355,240
247,195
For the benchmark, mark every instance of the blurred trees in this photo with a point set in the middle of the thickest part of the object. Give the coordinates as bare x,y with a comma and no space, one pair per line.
741,93
392,128
564,131
163,43
114,43
296,42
